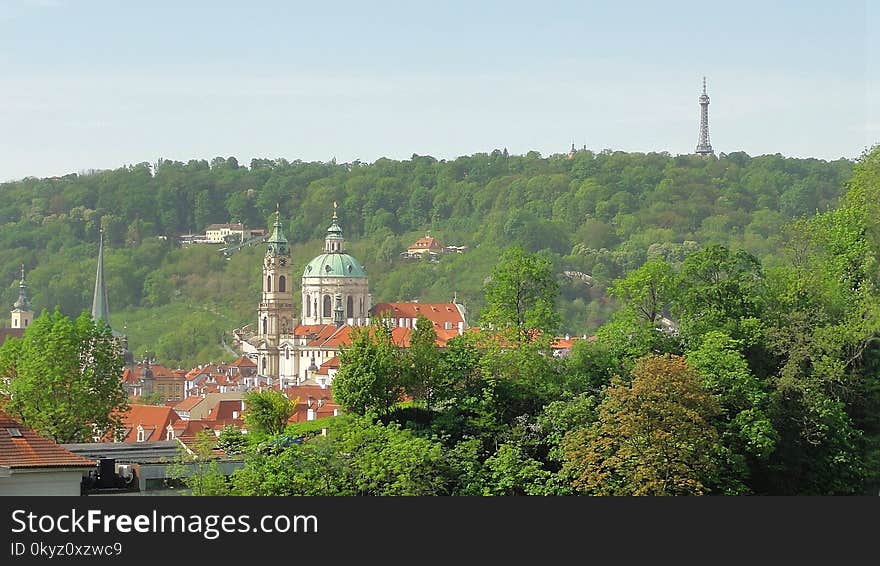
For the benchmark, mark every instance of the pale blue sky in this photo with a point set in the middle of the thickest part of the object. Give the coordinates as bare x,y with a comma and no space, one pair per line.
99,84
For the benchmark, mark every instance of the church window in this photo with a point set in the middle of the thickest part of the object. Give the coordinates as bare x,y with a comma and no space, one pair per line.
308,307
268,283
265,326
286,353
282,284
349,308
327,306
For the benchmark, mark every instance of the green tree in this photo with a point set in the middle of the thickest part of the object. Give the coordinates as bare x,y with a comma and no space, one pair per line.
266,412
198,468
64,378
648,290
521,296
232,440
653,437
370,376
421,359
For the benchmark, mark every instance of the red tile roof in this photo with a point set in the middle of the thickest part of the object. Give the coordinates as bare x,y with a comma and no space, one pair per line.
332,363
189,403
31,450
152,418
438,313
243,361
426,243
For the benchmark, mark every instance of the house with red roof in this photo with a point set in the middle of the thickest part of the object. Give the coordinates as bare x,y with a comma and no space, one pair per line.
146,423
31,464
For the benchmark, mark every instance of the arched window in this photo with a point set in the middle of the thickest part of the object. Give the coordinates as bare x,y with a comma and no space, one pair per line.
268,283
265,326
282,284
315,308
362,307
308,302
349,307
328,309
264,365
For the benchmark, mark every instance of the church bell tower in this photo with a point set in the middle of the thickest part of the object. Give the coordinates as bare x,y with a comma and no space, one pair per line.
276,315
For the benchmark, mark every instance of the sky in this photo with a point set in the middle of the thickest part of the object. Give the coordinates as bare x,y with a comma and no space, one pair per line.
89,84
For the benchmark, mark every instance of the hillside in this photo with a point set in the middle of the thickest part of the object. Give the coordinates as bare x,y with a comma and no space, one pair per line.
603,214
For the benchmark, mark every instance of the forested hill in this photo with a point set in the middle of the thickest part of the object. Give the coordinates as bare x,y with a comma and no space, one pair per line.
602,214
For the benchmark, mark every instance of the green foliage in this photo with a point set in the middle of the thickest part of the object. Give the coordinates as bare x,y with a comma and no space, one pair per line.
357,457
64,378
521,296
231,440
266,412
198,469
653,437
370,377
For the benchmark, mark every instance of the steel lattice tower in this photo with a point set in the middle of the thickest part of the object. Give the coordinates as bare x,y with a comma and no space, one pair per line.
703,146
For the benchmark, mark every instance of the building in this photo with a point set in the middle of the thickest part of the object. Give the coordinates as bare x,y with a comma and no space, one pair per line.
31,464
291,348
21,315
427,245
335,283
228,233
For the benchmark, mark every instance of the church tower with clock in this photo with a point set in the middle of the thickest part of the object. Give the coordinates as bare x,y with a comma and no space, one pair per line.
276,315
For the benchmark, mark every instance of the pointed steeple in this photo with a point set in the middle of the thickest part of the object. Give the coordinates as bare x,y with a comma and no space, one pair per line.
100,306
334,242
277,243
23,303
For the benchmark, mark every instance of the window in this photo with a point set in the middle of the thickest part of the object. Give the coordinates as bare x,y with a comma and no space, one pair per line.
265,326
349,308
268,283
140,433
308,307
282,284
14,432
328,309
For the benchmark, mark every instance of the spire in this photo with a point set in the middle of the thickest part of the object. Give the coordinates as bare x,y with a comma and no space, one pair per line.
278,244
334,242
704,147
23,303
100,307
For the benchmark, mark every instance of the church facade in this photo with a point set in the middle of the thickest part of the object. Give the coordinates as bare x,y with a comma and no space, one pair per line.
292,347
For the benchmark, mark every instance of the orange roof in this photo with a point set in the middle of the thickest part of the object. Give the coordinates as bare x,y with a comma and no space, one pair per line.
224,411
151,418
243,361
31,450
189,403
437,313
426,243
332,363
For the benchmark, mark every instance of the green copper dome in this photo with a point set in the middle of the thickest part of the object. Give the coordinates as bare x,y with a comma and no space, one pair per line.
277,244
334,265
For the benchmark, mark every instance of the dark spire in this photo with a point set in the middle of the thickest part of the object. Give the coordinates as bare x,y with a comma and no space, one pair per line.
100,306
23,303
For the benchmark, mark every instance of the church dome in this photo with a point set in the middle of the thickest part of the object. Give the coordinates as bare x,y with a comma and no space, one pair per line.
334,265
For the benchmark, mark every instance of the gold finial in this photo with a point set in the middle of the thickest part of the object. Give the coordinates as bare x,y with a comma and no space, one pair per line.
335,206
